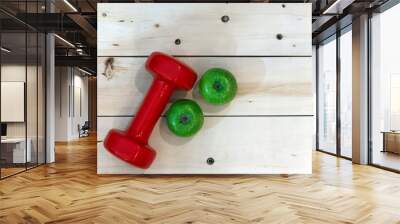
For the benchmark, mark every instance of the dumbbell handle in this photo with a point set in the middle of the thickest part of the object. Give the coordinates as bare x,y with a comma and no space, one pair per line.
149,112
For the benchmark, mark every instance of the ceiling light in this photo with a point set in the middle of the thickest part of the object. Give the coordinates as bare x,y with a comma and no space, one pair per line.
84,71
337,7
5,49
70,5
79,51
64,40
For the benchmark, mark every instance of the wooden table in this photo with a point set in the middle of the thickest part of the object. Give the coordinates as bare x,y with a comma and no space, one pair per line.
391,141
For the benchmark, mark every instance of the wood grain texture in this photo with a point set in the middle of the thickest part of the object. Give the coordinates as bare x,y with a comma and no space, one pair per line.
266,86
252,29
267,128
245,145
70,191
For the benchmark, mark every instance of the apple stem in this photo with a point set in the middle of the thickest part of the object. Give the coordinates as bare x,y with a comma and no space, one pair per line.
184,119
217,85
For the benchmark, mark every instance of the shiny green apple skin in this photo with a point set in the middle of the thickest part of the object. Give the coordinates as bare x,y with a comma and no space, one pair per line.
184,118
218,86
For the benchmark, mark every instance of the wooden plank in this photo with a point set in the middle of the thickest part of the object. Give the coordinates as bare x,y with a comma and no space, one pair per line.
245,145
267,86
252,29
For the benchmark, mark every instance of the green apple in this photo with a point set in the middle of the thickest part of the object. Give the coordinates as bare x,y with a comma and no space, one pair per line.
218,86
184,118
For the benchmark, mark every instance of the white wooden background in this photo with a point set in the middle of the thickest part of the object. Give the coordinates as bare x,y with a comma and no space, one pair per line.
267,128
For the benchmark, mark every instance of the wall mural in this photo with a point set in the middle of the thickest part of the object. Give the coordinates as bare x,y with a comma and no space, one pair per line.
230,90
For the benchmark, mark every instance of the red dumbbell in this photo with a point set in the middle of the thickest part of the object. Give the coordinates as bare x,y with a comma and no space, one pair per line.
132,145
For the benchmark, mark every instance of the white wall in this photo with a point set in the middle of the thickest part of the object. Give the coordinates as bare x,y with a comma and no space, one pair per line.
61,103
15,73
33,126
80,109
70,83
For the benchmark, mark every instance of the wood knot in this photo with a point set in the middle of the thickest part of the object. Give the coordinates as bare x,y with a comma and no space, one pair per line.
109,66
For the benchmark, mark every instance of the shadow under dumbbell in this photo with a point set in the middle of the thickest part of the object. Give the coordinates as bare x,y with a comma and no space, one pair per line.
143,79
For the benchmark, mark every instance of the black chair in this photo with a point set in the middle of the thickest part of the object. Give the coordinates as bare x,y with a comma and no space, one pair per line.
84,130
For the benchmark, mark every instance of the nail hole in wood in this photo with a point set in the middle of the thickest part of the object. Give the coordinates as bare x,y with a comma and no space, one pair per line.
178,41
210,161
279,36
104,14
283,5
225,19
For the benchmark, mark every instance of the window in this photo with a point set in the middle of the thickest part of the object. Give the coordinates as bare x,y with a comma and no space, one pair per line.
346,93
385,89
327,96
22,76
